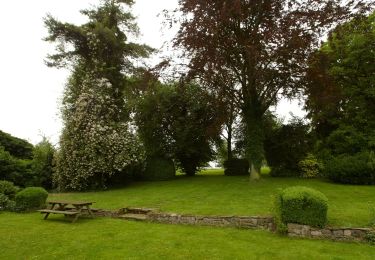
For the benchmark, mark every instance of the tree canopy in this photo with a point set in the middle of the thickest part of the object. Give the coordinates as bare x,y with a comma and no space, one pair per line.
179,121
341,89
262,47
15,146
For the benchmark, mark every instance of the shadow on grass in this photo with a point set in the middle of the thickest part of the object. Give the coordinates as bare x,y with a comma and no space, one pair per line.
58,218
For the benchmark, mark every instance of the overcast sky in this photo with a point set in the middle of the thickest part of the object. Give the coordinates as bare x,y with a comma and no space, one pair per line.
30,92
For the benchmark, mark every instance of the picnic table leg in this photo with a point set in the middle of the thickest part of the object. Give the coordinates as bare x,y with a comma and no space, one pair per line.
79,210
89,211
53,205
47,214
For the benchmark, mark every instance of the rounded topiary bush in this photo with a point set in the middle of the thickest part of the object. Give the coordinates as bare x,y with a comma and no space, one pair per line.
8,189
159,169
31,198
236,167
302,205
351,169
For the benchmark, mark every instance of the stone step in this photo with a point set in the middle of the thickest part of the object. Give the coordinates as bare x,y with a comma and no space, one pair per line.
132,210
130,216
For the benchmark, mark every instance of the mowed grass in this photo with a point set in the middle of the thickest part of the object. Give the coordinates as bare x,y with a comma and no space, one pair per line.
27,236
211,193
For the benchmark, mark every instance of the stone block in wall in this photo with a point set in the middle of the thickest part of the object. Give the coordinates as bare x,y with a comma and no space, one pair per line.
305,230
316,233
162,217
227,221
185,219
360,232
295,229
236,222
174,218
262,221
338,233
247,222
326,232
211,221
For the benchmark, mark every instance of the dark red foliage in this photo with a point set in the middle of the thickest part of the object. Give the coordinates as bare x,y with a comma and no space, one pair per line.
262,46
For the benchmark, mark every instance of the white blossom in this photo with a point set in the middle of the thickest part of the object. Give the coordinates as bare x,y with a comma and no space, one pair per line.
94,146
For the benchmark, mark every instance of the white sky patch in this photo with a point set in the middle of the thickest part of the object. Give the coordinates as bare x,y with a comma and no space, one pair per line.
30,92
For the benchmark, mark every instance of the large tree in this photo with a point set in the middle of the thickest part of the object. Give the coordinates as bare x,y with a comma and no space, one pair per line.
261,46
340,93
179,121
97,141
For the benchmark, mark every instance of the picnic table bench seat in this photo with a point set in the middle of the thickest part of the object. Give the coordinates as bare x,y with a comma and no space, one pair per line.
65,212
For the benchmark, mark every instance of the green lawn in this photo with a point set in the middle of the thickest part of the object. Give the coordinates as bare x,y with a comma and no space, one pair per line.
213,194
27,236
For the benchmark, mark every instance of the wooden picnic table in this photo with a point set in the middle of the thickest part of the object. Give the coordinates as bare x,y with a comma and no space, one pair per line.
68,208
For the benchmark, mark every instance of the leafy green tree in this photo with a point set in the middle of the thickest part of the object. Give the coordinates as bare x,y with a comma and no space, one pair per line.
341,93
17,147
6,164
179,121
97,141
152,122
286,145
43,163
341,101
15,170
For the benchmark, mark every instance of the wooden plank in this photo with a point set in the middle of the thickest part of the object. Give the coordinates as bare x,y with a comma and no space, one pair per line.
79,203
58,212
83,209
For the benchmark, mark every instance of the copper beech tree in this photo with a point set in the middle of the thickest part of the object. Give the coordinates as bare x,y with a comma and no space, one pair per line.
256,51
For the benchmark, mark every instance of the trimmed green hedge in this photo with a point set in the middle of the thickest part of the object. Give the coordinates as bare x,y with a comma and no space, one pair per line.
236,167
302,205
31,198
351,169
159,169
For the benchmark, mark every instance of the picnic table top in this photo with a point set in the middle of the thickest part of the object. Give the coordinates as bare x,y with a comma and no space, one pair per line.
78,203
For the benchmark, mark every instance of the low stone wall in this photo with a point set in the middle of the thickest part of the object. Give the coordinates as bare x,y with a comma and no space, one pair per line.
340,234
220,221
267,223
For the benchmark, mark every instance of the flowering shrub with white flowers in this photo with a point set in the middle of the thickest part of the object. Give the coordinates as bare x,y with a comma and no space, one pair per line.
97,141
94,146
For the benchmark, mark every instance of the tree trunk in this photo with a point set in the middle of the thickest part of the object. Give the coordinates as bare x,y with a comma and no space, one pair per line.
230,130
229,144
254,141
189,167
